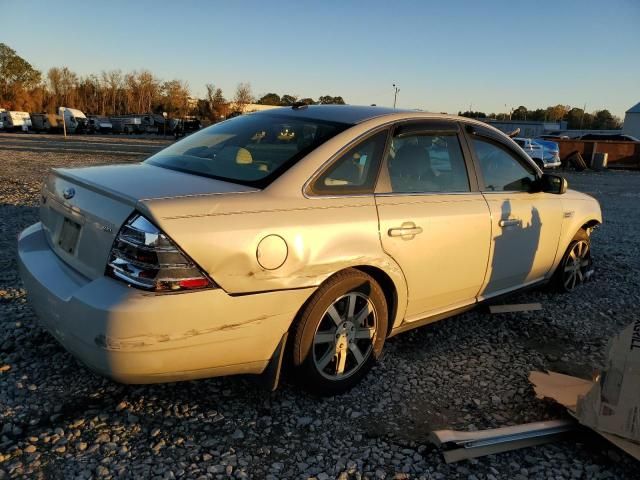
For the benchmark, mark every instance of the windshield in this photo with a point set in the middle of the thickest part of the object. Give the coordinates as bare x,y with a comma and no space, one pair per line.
251,149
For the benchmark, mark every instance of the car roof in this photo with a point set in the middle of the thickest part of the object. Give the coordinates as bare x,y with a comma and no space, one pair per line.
356,114
351,114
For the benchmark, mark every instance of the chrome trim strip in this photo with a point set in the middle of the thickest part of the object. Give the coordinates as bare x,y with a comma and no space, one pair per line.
424,194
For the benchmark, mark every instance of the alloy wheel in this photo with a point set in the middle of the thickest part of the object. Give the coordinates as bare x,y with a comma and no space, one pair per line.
576,265
344,338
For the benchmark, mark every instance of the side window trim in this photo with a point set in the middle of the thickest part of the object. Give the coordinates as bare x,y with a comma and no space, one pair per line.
383,186
309,192
469,134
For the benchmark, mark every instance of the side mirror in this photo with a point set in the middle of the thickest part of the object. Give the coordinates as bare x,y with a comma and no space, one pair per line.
553,184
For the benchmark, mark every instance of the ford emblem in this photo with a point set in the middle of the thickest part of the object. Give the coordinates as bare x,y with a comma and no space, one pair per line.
68,193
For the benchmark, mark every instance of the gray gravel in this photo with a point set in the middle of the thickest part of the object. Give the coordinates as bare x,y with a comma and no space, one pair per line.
59,420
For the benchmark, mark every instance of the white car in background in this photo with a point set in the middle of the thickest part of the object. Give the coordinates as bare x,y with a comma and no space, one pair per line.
542,154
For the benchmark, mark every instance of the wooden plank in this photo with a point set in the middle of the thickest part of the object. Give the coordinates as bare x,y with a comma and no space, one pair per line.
515,307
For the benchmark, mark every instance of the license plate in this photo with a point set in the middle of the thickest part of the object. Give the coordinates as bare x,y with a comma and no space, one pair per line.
69,235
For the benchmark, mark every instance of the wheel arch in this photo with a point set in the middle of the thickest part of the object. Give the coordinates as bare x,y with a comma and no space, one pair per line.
388,288
591,224
395,294
585,224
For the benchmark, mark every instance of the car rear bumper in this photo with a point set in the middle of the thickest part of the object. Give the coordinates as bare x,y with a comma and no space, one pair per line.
554,163
134,336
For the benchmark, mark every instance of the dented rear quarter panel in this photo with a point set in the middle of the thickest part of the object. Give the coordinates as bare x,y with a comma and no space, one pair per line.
323,234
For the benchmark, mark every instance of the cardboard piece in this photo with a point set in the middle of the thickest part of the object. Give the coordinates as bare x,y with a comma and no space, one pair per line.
613,404
567,390
564,389
610,405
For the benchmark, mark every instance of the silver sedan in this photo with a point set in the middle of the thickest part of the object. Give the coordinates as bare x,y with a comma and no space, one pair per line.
304,236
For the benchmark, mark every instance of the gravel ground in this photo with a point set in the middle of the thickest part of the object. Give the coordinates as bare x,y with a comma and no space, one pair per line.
59,420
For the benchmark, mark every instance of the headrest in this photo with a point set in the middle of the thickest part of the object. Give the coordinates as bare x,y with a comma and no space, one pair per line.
234,154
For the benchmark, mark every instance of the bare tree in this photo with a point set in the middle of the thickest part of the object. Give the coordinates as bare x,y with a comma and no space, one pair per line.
175,97
243,97
112,81
215,101
148,90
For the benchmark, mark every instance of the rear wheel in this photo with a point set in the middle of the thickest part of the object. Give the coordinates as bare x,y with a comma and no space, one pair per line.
340,333
576,264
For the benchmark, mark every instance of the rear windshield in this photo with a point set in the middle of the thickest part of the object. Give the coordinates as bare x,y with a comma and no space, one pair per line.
251,149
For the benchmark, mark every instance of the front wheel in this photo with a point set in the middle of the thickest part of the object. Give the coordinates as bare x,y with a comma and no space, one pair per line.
576,264
340,333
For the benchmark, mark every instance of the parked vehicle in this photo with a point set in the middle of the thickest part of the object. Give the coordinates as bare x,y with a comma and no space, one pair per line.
15,121
544,156
551,150
143,123
186,126
46,122
239,248
554,136
74,120
618,137
98,124
126,124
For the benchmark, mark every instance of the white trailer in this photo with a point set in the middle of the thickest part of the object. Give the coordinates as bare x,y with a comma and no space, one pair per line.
14,120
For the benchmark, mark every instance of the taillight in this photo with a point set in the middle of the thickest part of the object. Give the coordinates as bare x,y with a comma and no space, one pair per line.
143,256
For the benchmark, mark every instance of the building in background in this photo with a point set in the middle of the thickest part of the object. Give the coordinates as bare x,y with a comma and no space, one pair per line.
631,124
528,129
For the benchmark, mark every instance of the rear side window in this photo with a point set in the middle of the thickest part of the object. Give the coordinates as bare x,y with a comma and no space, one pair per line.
425,163
501,169
355,172
251,149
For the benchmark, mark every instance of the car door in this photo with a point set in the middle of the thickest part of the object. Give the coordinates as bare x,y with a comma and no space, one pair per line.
433,220
525,226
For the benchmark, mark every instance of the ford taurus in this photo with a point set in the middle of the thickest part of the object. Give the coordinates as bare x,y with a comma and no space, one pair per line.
301,236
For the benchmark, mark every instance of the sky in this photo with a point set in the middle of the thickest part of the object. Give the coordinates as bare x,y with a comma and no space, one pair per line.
445,56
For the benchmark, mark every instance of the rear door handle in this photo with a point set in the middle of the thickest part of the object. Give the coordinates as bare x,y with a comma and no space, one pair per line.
408,229
510,223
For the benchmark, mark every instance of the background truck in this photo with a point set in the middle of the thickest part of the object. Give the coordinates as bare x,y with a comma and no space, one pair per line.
74,120
98,124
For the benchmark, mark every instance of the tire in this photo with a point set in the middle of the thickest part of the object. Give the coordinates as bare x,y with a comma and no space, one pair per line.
332,350
577,161
576,264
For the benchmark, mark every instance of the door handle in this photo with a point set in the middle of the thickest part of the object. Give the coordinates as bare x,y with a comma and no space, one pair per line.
510,223
408,229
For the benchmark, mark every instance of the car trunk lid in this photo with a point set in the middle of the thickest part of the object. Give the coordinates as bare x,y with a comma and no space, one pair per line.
83,209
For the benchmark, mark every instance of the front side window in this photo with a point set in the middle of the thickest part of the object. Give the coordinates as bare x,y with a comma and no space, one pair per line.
251,149
427,164
355,172
501,170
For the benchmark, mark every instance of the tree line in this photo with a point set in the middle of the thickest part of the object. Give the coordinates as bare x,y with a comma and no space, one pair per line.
113,92
22,87
576,118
